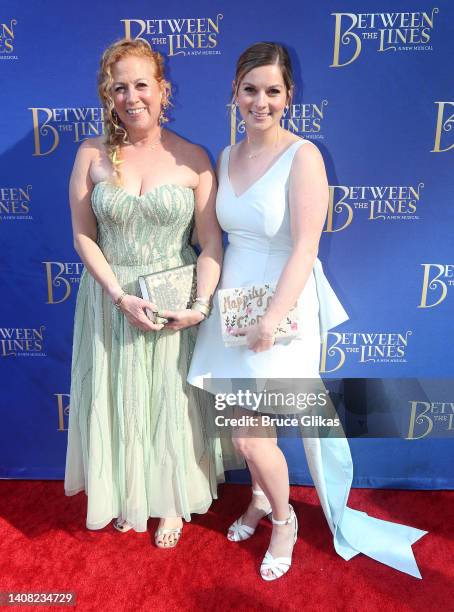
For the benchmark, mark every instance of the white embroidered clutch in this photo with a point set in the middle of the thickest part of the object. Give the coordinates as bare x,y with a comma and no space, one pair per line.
173,289
242,307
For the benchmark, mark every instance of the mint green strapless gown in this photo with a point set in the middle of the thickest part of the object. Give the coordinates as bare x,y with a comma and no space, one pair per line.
137,438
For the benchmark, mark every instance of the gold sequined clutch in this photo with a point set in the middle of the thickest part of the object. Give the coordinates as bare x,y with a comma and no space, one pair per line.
173,289
242,307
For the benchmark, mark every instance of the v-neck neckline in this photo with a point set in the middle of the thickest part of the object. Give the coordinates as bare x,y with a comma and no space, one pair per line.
262,176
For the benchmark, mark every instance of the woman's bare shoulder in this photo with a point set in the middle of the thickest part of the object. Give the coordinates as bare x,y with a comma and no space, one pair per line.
192,155
93,148
308,150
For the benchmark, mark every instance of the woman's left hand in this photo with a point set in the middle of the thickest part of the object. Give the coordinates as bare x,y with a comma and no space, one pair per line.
181,319
259,337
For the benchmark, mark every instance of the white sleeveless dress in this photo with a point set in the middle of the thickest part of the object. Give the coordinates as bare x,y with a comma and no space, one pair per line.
258,226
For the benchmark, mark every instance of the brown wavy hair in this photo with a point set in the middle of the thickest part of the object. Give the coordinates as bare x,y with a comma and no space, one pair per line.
265,54
115,132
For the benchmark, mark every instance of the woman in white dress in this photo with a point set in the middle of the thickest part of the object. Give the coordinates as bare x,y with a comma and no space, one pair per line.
272,201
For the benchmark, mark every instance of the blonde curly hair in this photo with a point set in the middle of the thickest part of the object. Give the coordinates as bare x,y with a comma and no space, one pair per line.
115,133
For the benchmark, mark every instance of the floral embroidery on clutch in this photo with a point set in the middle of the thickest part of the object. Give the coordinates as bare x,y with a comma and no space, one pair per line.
243,307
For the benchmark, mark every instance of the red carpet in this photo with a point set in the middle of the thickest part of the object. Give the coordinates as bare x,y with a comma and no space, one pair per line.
45,546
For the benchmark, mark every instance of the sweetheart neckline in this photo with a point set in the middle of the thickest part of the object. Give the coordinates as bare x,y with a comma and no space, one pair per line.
146,193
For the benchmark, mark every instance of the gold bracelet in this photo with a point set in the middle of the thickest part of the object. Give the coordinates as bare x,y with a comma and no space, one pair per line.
202,308
201,299
119,300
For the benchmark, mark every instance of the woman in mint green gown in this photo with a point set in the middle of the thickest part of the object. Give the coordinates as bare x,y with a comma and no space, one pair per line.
137,441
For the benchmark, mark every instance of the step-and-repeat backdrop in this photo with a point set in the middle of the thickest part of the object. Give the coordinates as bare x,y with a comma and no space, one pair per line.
374,92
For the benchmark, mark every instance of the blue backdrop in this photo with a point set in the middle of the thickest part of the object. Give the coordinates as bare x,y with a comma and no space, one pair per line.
374,92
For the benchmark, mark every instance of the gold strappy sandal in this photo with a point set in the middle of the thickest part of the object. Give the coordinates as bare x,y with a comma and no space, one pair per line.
121,525
162,531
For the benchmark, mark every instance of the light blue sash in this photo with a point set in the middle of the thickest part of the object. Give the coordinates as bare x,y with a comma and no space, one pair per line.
331,467
331,311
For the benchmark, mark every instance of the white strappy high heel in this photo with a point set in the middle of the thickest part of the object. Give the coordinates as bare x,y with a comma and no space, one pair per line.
243,532
279,565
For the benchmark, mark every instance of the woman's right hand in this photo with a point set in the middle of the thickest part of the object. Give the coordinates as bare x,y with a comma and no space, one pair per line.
134,308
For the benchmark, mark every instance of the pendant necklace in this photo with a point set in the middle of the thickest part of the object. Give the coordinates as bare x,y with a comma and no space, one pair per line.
254,155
